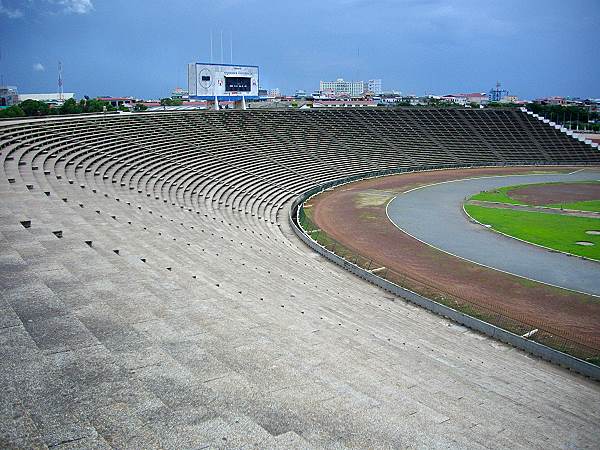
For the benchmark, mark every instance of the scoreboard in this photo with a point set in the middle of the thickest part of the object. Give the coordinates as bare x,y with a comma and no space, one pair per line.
224,81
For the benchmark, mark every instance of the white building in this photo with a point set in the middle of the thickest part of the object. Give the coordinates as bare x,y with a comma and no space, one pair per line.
374,86
454,99
342,87
52,98
9,96
274,93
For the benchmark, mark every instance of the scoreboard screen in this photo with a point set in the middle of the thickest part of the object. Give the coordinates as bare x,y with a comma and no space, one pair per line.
238,84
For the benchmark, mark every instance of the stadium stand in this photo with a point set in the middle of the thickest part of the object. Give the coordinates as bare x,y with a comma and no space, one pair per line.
154,296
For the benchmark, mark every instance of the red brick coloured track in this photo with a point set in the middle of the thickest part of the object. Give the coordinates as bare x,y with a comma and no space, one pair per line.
355,215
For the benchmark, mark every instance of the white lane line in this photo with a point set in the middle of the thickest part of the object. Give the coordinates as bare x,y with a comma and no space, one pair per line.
493,176
467,259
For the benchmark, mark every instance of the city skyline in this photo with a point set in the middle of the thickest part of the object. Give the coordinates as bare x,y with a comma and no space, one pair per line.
142,49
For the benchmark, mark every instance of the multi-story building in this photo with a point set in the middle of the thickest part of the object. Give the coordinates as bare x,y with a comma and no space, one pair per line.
342,87
8,96
374,86
179,94
274,93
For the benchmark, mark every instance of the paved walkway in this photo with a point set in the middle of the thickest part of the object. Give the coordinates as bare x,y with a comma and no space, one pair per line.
434,215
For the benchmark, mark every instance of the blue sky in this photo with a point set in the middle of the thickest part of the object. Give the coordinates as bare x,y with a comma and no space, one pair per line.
141,47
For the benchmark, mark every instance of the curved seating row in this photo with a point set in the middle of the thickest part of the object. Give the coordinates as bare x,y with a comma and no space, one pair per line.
153,295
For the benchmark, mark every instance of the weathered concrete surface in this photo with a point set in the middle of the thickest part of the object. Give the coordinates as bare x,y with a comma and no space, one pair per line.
163,318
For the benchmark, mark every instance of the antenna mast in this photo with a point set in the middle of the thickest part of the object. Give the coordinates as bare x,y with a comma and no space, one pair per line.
60,82
222,47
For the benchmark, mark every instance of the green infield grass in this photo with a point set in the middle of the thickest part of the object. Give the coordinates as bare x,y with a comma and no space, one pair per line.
550,230
588,205
500,195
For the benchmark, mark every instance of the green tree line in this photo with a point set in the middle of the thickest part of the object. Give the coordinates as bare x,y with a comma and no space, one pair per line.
29,108
570,116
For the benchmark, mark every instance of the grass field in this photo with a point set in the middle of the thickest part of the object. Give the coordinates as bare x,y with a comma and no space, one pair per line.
500,195
589,205
550,230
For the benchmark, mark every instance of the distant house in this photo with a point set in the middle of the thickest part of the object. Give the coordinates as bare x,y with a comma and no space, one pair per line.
466,98
343,103
128,102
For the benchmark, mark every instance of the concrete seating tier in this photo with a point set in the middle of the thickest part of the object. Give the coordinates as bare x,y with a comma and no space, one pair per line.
153,294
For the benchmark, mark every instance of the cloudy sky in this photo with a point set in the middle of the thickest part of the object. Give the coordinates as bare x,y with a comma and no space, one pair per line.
141,47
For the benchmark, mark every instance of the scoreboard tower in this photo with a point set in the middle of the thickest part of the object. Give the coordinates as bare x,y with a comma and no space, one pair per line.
222,82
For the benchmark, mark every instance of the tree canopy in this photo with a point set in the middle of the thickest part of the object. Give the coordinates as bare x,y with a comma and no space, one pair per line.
170,101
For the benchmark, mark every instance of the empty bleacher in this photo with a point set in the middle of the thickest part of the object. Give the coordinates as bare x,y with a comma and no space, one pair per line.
153,295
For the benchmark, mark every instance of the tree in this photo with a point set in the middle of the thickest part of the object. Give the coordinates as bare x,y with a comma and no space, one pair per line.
170,102
95,105
12,111
34,108
70,106
140,107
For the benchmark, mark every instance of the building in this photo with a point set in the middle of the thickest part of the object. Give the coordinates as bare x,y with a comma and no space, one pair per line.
340,87
179,94
128,102
276,93
207,81
509,99
374,86
300,93
478,98
457,100
8,96
53,98
344,103
553,100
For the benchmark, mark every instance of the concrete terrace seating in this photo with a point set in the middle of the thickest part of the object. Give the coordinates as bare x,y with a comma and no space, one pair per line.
154,296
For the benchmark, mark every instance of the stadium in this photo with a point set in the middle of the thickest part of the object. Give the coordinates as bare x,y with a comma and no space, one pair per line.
238,279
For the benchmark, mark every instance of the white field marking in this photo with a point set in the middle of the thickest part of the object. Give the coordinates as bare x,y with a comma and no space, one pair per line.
580,170
489,227
530,333
467,259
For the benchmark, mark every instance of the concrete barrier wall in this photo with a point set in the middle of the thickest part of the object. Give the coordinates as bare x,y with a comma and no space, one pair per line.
530,346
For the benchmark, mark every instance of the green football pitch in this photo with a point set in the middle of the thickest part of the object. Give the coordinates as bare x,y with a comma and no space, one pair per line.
571,234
